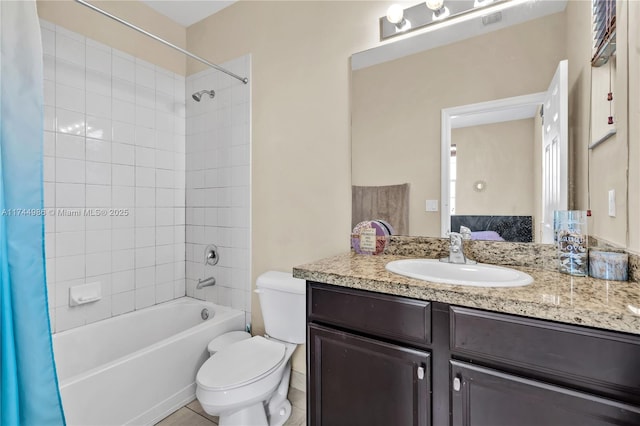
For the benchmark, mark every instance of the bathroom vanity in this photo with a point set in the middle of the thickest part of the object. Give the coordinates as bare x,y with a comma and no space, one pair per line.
389,350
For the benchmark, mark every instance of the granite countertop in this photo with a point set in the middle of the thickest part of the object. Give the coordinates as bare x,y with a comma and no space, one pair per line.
610,305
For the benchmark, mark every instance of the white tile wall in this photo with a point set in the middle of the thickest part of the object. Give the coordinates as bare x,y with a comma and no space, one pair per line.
218,157
114,139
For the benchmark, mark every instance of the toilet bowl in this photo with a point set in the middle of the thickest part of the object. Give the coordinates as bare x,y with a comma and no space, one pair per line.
246,380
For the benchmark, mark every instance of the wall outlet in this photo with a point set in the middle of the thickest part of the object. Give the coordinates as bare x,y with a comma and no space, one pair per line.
432,205
612,202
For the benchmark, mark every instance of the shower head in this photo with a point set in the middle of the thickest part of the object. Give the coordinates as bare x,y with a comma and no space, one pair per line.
198,95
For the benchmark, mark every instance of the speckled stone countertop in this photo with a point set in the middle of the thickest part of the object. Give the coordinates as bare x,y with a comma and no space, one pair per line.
611,305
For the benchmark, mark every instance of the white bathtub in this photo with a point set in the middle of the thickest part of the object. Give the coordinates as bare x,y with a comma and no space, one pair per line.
138,367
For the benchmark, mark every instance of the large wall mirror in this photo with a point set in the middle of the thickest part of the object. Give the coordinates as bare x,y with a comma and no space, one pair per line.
397,116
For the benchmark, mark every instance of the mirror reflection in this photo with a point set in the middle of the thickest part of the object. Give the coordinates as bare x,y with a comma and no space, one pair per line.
492,179
520,146
397,121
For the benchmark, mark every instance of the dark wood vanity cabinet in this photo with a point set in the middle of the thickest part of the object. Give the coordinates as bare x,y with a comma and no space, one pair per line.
540,372
484,396
376,359
347,367
366,359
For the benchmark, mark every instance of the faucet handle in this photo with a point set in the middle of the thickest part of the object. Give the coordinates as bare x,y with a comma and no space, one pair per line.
465,232
211,256
455,239
454,235
456,252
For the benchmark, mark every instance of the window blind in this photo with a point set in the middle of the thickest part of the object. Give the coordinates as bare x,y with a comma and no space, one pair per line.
604,31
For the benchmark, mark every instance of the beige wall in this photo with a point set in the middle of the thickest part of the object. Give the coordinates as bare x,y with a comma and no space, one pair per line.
397,105
595,172
502,155
634,127
81,19
608,163
578,14
301,208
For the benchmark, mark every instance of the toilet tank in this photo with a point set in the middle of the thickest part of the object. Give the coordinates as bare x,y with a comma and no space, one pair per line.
282,300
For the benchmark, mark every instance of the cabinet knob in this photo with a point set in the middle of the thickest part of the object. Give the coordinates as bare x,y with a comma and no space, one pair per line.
420,373
457,384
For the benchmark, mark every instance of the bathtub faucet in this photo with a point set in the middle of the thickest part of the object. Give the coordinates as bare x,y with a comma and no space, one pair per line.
207,282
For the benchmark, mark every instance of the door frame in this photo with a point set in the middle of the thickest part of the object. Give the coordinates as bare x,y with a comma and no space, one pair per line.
495,111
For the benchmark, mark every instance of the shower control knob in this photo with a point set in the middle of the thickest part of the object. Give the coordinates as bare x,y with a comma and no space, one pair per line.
211,256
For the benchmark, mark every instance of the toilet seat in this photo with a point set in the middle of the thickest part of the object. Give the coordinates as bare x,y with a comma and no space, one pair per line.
241,363
226,340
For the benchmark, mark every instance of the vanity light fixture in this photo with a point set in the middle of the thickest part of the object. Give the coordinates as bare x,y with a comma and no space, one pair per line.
435,4
440,11
395,15
437,13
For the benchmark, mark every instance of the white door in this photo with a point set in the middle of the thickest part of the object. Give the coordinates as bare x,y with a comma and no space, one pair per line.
555,151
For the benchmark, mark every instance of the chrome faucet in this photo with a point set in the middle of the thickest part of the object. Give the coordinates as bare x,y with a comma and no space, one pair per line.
207,282
456,249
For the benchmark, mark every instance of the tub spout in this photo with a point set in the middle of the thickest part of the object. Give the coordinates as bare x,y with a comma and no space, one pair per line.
207,282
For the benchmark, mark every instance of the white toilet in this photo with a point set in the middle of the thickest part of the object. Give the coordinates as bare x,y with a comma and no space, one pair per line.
246,379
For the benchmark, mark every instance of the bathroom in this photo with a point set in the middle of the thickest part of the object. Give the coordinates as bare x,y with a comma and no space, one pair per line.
261,168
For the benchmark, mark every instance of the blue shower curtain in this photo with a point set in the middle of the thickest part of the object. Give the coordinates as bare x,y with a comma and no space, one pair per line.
29,393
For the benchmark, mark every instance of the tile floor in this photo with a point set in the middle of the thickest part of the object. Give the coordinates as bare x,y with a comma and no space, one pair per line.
193,415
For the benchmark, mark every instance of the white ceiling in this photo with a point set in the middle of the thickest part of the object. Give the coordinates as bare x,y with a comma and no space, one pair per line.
188,12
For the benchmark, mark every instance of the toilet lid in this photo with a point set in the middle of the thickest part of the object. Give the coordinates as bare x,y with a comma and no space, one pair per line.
241,363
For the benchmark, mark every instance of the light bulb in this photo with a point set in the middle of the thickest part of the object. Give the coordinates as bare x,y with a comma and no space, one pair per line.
395,14
435,4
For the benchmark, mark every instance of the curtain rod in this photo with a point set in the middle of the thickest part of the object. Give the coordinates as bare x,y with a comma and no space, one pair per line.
155,37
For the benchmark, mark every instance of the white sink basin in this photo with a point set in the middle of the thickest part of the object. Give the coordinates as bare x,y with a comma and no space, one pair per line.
478,275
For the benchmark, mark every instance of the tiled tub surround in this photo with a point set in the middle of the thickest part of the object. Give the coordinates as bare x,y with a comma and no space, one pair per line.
218,186
611,305
114,139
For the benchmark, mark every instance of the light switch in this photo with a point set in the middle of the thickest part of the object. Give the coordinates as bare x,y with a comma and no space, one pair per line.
612,202
432,205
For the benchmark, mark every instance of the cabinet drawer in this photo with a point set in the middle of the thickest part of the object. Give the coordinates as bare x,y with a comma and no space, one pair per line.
393,317
596,359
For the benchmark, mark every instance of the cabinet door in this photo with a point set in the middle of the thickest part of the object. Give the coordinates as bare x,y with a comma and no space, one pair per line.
485,397
356,381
